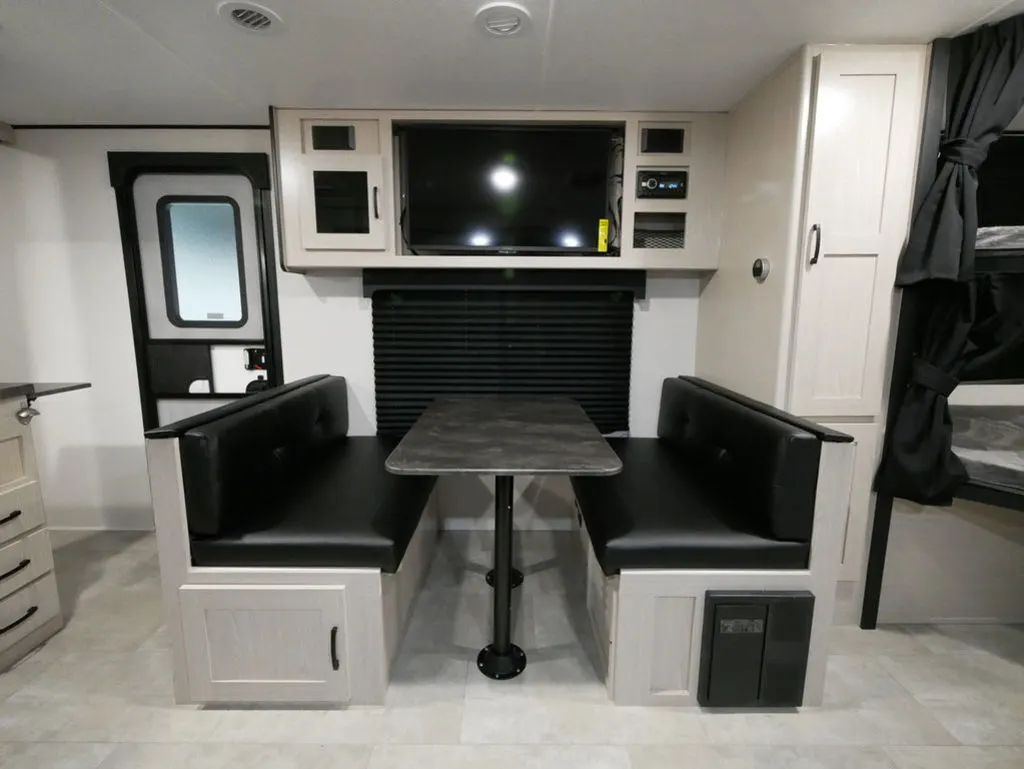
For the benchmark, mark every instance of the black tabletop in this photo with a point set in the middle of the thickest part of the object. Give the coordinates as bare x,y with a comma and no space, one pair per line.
504,436
38,389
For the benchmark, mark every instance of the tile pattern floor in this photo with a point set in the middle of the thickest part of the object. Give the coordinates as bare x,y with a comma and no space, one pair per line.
98,696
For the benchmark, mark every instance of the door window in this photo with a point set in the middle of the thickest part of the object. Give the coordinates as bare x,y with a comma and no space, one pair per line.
201,251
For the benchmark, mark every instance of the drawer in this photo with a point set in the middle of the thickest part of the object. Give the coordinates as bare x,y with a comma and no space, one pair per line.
17,455
21,510
28,609
24,560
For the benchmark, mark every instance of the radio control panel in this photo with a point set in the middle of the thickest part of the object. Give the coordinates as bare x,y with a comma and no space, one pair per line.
662,184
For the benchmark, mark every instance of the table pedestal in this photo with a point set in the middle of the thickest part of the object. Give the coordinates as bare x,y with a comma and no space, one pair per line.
502,658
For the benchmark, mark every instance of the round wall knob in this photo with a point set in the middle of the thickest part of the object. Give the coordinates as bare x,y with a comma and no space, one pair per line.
760,270
26,415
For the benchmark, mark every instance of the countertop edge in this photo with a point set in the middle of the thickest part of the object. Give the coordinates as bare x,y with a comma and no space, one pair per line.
33,390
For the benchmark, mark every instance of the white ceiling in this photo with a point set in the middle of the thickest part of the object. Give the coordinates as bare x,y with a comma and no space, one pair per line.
176,61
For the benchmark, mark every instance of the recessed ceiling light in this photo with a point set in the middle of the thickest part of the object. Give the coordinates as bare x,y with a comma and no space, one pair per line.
250,16
503,19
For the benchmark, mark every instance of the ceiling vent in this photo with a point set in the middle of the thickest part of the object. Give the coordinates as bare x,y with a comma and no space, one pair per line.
503,19
250,17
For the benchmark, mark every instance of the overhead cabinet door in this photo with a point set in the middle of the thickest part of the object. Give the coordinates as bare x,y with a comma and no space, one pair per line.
864,146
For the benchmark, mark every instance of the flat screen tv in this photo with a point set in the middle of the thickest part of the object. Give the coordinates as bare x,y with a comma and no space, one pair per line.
484,189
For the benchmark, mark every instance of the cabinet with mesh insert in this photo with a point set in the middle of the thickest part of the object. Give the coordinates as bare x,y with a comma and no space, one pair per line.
659,230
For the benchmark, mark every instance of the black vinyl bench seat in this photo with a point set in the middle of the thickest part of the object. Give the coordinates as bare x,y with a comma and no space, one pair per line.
728,484
274,481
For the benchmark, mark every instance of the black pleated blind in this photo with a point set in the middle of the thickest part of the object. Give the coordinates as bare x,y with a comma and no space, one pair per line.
455,342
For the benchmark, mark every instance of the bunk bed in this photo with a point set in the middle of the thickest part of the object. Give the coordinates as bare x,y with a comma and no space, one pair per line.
989,439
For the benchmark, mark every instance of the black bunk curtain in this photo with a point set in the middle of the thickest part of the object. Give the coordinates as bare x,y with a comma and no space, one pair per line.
937,265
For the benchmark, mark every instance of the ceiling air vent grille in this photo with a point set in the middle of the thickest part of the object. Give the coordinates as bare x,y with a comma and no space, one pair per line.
250,17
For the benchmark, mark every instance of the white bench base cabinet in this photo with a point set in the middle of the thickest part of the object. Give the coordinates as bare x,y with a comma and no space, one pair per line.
649,623
252,635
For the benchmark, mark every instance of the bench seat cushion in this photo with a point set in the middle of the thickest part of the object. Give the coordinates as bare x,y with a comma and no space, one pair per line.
345,510
658,515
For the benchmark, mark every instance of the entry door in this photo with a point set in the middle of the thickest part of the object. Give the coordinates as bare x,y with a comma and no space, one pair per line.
864,147
201,289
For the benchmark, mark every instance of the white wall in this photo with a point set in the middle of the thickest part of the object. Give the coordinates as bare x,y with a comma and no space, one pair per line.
745,326
63,255
64,316
13,346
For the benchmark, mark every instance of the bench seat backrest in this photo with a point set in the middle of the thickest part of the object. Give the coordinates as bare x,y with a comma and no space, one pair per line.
236,462
764,465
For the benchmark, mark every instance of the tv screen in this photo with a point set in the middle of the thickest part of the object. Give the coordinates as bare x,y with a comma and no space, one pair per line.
505,189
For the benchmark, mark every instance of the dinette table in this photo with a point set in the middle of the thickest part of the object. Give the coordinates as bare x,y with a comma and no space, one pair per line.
503,437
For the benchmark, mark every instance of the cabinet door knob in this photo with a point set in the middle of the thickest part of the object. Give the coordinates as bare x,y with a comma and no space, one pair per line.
376,203
26,415
816,232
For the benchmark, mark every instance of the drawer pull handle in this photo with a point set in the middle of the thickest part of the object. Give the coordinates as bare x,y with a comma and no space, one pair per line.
335,663
11,572
11,517
7,628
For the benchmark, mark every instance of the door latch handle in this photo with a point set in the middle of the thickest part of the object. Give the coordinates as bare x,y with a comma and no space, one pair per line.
376,203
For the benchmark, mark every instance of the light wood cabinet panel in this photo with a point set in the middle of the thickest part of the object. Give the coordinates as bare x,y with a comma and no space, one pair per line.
27,610
21,510
24,561
265,643
855,527
342,203
864,145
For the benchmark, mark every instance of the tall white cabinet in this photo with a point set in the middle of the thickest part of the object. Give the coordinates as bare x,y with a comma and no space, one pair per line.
820,174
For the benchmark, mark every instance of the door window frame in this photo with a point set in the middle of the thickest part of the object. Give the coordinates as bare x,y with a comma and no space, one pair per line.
125,168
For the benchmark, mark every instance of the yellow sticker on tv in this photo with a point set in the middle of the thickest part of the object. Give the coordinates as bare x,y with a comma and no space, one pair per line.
602,236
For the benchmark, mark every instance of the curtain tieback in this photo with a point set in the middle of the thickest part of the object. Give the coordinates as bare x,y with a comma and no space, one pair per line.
933,378
966,152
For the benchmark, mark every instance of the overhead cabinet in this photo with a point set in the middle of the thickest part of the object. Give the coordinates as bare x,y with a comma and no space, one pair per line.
334,189
344,192
341,203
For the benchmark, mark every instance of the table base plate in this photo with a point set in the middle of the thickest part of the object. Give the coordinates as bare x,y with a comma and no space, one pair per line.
501,667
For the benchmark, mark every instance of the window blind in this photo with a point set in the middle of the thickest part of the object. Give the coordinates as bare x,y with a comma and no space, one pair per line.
443,342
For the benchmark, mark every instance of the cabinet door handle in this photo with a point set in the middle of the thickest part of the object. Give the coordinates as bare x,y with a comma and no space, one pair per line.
816,232
376,203
11,517
24,618
11,572
335,664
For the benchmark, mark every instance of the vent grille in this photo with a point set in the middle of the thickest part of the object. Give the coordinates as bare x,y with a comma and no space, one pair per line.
502,26
449,343
251,19
658,239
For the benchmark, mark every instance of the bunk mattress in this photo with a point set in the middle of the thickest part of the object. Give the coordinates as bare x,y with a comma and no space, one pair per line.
1000,239
989,440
